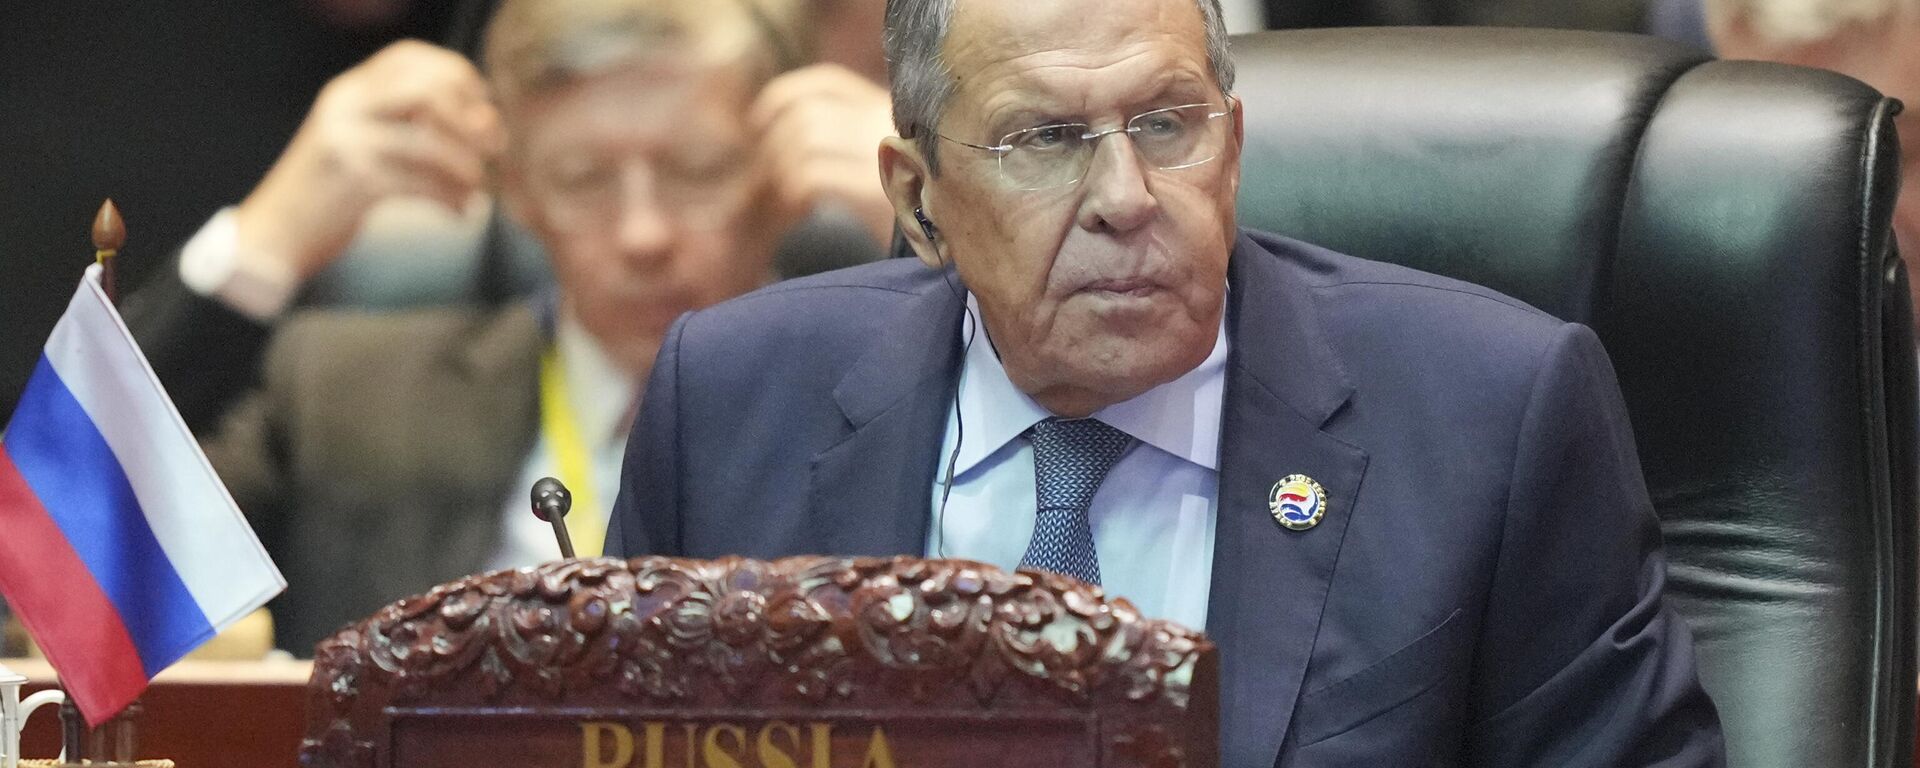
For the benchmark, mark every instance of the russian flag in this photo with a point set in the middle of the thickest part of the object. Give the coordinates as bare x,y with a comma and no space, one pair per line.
120,550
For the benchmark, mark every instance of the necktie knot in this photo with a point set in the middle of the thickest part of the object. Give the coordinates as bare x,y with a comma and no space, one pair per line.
1071,457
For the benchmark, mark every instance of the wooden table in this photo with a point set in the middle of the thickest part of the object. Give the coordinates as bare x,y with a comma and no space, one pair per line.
201,714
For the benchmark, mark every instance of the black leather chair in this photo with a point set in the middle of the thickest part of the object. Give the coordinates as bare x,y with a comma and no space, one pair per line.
1724,227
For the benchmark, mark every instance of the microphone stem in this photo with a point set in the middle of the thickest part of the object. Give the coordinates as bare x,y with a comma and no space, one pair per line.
560,532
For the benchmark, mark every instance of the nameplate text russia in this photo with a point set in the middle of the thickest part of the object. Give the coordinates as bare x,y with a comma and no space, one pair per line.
757,739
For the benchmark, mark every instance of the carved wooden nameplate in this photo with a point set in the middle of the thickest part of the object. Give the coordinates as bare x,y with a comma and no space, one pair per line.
807,662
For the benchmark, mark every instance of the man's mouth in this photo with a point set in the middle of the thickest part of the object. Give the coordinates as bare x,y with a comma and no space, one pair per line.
1123,286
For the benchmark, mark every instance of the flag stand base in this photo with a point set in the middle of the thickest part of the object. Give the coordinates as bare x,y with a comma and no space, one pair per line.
114,743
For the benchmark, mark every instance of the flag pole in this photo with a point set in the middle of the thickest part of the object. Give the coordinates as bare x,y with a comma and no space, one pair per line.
121,739
109,234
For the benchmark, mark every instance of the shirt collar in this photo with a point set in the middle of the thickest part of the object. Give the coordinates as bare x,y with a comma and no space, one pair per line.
1180,417
601,392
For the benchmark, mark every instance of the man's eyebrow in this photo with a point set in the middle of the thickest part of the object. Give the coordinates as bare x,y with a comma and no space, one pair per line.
712,155
1172,87
1027,113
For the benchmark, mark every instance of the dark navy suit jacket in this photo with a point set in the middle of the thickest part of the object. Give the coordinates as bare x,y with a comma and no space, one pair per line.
1484,590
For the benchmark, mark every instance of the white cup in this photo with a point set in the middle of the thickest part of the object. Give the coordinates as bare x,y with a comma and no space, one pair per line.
14,714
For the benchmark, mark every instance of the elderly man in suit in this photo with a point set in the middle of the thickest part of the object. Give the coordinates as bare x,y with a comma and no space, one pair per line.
1407,509
380,454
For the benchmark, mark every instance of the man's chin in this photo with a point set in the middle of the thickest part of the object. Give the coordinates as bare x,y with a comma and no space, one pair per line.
1124,362
631,339
635,352
648,319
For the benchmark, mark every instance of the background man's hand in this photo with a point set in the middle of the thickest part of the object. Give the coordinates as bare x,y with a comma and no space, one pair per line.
413,119
820,129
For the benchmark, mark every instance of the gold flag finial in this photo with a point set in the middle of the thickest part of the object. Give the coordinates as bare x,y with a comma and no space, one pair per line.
109,234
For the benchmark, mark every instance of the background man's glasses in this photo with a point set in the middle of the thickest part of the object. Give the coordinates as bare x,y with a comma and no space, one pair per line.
1059,154
590,200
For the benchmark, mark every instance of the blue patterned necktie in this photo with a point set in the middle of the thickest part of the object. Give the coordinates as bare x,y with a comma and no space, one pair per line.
1070,459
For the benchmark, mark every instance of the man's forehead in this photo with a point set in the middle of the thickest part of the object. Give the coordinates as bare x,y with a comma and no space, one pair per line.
986,33
1044,46
656,105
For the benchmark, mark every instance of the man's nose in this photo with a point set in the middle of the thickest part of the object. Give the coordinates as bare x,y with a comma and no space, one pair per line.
1117,199
643,229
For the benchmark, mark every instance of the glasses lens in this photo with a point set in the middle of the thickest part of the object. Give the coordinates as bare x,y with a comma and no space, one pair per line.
701,198
1047,156
1176,137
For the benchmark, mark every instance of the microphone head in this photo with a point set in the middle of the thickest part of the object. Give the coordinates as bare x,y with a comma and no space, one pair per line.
551,499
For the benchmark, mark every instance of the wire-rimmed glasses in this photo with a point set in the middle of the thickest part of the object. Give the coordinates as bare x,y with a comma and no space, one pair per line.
1059,154
590,196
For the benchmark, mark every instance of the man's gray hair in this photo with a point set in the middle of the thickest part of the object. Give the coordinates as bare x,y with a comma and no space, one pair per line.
1792,22
916,33
537,46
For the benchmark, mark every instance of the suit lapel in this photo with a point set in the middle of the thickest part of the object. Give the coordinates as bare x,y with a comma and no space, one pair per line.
492,381
871,490
1270,584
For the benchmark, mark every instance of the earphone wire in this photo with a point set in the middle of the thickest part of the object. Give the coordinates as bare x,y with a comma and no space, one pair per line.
959,421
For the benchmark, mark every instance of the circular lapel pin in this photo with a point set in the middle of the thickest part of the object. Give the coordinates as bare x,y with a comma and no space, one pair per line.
1297,502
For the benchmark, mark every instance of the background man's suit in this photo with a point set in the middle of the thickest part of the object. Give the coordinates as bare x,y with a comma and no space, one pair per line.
373,452
1485,586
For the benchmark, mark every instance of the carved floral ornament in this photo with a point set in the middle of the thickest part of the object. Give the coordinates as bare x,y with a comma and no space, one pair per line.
901,633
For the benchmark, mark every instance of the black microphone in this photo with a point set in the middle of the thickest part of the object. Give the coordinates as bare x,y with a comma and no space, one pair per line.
551,502
926,224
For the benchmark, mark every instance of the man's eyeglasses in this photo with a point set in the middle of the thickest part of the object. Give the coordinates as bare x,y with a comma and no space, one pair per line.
1059,154
590,197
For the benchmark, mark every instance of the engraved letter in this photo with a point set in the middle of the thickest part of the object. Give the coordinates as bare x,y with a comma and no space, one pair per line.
822,745
879,755
656,744
715,756
593,754
772,756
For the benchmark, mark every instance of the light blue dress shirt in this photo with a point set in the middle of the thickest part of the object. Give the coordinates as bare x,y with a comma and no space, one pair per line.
1153,519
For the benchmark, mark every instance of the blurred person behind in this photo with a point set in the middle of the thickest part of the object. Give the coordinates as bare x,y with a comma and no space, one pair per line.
379,454
1874,41
828,116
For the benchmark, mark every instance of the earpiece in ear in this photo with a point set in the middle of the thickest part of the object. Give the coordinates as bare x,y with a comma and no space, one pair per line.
926,224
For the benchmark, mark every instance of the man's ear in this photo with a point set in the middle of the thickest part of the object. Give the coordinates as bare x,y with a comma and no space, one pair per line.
904,174
1239,124
1239,142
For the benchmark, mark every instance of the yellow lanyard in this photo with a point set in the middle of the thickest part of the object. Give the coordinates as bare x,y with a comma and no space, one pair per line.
587,523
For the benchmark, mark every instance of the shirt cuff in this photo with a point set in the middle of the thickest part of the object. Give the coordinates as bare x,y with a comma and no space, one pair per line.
210,265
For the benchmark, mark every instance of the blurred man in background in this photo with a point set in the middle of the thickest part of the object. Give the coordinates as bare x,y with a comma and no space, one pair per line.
1874,41
378,455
